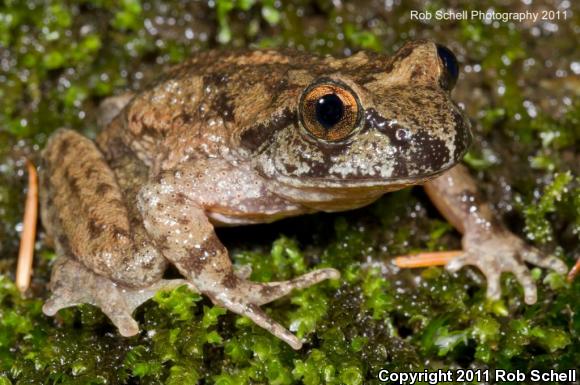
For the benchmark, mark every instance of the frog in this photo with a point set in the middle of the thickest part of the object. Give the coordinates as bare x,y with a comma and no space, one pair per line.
231,138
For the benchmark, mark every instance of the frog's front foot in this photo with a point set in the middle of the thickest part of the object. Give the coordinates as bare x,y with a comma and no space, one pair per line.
245,298
502,251
73,284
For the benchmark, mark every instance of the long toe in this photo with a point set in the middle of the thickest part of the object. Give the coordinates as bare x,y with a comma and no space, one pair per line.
259,317
270,291
532,255
55,303
262,319
127,326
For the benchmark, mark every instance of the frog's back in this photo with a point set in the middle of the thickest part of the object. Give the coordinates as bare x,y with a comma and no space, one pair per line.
201,105
209,102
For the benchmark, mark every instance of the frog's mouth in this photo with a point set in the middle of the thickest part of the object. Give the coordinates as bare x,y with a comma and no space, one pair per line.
359,183
328,194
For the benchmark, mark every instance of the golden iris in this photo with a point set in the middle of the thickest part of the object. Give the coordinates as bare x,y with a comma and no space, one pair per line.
329,111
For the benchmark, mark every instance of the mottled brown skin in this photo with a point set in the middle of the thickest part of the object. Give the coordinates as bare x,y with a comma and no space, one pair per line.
223,140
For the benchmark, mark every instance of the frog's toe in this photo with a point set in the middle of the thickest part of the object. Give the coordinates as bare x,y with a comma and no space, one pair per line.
55,303
525,278
271,291
536,257
461,261
263,320
493,290
126,325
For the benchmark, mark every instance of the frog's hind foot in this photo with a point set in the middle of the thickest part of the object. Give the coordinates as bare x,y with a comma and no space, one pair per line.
245,298
73,284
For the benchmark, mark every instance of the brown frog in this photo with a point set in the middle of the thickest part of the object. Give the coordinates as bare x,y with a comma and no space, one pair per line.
252,137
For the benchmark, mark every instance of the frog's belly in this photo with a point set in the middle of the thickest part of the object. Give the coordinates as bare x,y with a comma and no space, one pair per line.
222,217
226,216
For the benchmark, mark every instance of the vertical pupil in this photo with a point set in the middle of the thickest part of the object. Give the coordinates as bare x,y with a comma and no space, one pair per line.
329,110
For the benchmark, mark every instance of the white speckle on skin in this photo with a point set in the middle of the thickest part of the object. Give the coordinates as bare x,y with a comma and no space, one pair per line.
370,155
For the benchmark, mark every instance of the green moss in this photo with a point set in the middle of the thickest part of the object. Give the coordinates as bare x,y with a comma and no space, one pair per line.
537,226
129,16
177,303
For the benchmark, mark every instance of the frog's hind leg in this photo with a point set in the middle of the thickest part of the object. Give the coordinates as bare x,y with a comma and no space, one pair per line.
105,257
87,214
73,284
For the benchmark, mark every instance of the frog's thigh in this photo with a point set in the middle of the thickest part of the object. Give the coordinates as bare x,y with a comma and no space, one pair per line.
84,211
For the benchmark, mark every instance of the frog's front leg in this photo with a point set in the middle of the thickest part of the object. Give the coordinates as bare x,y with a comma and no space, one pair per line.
486,242
177,221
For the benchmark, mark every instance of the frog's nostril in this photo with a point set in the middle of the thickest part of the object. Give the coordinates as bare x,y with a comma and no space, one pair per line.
402,134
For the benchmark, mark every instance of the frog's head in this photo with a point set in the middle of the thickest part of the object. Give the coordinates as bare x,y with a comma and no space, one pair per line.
367,122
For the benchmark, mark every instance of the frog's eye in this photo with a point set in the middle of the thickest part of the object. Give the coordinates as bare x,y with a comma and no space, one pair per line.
329,111
450,67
